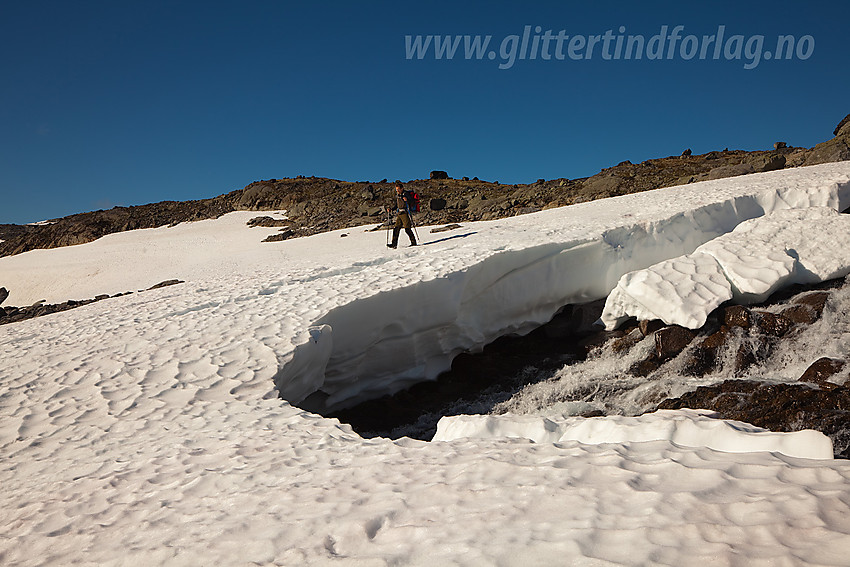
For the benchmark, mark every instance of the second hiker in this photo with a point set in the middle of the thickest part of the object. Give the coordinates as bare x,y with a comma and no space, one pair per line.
403,208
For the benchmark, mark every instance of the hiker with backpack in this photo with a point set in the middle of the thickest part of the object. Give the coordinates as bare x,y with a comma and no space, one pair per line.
407,203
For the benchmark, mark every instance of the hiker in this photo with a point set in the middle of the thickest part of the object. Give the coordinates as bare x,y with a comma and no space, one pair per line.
403,208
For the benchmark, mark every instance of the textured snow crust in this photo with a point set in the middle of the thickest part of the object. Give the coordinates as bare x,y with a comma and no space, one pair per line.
748,264
684,427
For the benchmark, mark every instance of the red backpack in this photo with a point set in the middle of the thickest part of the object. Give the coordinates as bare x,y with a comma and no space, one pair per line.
412,200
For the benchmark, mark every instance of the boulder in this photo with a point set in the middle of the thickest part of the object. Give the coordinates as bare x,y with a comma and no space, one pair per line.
769,162
806,308
649,327
283,235
437,204
821,370
166,283
600,185
836,149
4,293
737,316
779,145
437,174
259,196
627,341
772,324
687,152
269,222
703,358
672,340
645,367
731,171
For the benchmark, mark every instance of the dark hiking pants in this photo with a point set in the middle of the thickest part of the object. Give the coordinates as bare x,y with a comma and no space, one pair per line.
403,220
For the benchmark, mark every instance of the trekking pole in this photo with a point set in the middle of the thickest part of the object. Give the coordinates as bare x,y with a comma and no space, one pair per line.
388,227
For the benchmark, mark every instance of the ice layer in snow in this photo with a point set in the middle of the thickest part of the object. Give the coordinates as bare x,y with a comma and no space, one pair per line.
748,264
144,429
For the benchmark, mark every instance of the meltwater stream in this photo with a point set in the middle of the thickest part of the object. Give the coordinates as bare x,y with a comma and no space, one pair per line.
564,369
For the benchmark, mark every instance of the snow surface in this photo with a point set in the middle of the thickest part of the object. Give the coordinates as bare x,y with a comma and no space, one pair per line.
145,428
748,264
687,428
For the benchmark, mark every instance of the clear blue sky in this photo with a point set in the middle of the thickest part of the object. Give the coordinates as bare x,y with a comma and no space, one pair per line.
121,103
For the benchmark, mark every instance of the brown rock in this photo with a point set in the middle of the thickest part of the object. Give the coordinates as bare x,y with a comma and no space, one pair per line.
731,171
283,235
269,222
770,162
672,340
598,340
703,359
814,299
821,370
744,358
649,327
446,228
166,283
800,314
437,204
717,339
625,343
833,150
737,316
772,324
645,367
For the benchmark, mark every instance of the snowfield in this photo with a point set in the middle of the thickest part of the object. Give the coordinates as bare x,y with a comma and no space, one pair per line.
146,429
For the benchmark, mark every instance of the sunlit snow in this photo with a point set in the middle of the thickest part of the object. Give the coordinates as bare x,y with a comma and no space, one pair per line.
146,428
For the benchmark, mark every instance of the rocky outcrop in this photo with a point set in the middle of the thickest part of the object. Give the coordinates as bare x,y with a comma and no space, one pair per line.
40,308
836,149
16,314
269,222
702,350
86,227
744,336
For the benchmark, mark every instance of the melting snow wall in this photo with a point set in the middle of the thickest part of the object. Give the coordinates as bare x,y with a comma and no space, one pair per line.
389,341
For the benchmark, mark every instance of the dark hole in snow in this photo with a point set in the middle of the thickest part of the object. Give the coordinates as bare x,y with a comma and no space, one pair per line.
477,382
494,380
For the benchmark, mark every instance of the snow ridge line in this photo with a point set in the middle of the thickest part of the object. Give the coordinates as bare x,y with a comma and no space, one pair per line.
387,342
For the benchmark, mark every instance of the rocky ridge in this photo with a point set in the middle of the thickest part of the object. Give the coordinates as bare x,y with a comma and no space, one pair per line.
316,204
